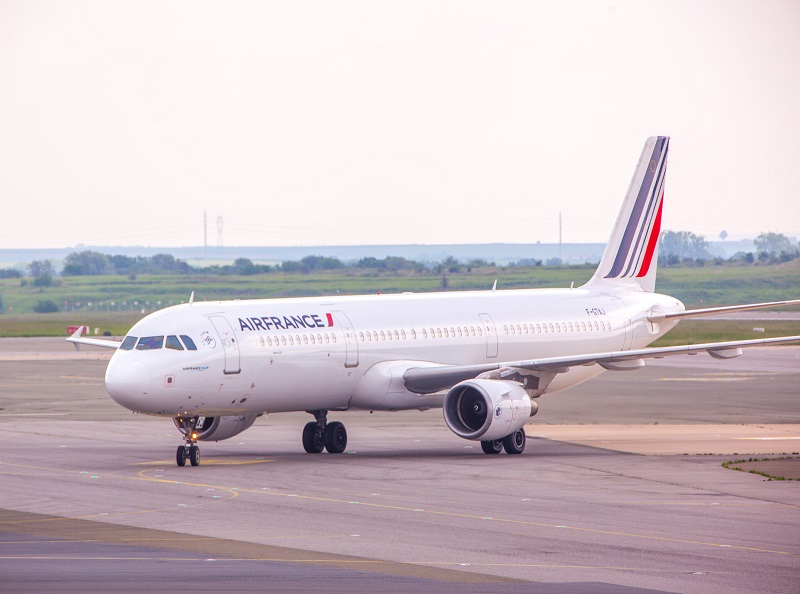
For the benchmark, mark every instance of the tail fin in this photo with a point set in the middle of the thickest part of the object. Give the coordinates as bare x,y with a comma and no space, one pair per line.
631,253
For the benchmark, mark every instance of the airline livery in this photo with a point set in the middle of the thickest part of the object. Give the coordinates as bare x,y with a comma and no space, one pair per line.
484,357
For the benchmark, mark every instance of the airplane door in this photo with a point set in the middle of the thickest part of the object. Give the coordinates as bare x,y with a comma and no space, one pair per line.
230,345
491,335
626,322
350,342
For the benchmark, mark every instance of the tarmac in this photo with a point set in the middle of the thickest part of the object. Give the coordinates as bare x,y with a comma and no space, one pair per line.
621,489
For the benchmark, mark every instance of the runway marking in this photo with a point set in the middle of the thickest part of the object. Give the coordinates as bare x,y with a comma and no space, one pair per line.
767,438
206,462
235,491
352,562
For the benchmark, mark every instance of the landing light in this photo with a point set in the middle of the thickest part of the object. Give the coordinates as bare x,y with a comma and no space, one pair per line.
194,435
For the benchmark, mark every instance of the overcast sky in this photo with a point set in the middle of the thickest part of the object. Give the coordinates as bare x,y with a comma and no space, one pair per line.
317,123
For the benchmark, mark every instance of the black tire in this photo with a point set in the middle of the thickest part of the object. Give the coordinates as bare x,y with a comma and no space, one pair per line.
180,456
515,443
494,446
312,440
194,455
335,437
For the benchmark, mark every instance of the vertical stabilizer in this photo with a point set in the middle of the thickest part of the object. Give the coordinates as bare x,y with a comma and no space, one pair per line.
631,253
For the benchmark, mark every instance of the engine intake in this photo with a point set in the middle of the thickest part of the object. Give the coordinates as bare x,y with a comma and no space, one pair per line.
484,409
217,428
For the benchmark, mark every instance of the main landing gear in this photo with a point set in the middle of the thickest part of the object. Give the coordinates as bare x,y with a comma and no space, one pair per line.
190,451
320,434
513,444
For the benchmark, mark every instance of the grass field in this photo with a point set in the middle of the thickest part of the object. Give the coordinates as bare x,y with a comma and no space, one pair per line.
114,303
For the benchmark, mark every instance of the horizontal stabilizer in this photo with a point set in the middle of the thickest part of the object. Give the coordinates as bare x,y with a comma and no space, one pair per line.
696,313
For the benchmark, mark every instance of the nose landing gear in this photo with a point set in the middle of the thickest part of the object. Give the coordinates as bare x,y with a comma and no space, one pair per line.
319,434
190,451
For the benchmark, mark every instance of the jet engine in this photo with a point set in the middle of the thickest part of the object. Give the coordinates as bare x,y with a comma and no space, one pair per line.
217,428
484,409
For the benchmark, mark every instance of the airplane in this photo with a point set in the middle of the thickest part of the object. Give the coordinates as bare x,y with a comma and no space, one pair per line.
484,357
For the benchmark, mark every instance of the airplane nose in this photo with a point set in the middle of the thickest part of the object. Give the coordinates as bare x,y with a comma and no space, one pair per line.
125,381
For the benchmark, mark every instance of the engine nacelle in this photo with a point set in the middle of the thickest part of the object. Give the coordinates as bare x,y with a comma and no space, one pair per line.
484,409
217,428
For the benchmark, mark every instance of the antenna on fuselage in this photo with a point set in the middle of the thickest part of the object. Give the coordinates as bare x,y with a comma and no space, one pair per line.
191,298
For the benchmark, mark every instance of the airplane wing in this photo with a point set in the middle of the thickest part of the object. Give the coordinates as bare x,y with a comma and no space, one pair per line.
426,380
694,313
78,340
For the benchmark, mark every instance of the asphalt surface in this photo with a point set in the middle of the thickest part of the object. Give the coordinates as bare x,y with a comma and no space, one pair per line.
91,499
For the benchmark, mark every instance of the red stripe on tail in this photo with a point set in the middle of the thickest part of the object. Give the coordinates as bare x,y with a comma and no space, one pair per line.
651,244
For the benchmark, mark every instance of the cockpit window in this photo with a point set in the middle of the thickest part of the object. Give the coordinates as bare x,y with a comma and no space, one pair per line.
148,343
190,346
128,343
173,343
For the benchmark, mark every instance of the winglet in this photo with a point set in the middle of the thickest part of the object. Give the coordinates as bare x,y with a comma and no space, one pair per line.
631,253
77,340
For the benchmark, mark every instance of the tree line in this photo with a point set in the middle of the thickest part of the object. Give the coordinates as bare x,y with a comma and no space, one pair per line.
676,247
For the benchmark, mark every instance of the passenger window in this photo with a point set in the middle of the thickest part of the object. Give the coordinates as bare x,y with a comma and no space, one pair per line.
480,332
361,336
505,329
269,341
333,338
472,330
413,334
188,342
128,343
150,343
439,332
389,334
551,327
396,335
446,333
403,334
283,340
424,333
173,343
305,338
383,335
459,332
519,330
291,340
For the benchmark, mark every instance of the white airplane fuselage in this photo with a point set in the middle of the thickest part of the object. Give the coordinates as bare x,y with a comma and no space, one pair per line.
279,355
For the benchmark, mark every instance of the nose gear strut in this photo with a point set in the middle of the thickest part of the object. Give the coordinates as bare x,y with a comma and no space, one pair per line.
189,451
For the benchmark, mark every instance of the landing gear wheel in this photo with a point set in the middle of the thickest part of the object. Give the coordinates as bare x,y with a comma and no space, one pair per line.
194,455
515,443
335,437
494,446
180,456
312,438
